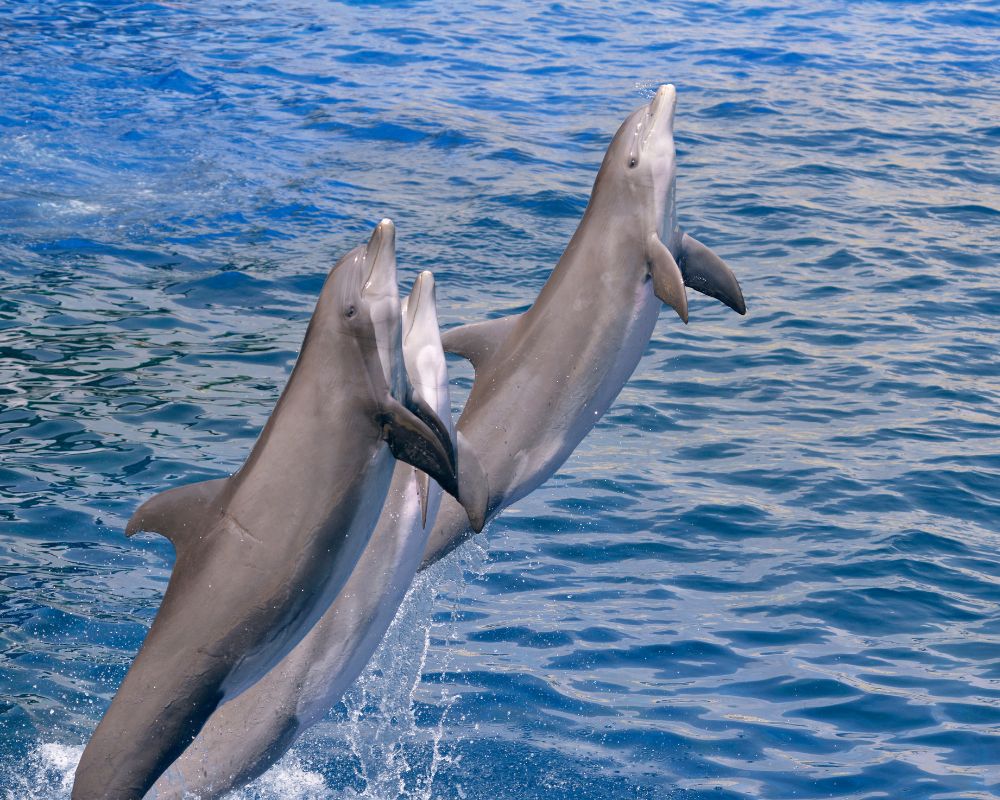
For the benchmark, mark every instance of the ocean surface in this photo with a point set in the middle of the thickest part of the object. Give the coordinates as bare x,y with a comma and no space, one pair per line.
772,570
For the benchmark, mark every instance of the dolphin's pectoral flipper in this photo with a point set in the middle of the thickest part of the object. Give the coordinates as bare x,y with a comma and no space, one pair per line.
705,272
478,341
419,407
411,440
177,513
668,282
473,486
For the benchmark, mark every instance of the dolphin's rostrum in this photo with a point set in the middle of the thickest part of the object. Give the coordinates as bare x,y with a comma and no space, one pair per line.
262,554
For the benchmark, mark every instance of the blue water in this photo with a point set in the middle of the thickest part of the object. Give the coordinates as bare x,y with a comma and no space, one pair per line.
772,570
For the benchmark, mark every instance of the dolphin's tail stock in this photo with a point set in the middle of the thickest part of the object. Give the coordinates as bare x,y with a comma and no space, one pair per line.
705,272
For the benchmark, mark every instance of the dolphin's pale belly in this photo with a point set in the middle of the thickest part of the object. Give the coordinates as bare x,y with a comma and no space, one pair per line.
536,459
368,603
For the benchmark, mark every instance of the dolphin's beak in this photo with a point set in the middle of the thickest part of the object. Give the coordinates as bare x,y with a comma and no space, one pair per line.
351,269
421,310
381,257
662,107
421,304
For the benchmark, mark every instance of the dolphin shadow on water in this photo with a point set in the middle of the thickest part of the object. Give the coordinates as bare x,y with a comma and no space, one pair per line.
247,735
563,361
262,555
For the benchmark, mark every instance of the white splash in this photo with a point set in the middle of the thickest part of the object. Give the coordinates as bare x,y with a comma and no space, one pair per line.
647,89
47,774
381,724
289,779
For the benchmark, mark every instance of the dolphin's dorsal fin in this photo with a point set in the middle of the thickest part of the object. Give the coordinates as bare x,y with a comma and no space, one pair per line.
480,340
668,283
179,513
705,272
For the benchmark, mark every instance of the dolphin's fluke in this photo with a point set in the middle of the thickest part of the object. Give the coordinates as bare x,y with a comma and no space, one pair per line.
668,283
411,440
705,272
478,341
473,487
178,513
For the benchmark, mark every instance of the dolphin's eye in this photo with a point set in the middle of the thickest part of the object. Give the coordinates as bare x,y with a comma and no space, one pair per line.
631,163
350,311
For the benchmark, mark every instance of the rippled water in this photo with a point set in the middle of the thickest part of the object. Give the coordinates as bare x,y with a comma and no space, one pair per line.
770,572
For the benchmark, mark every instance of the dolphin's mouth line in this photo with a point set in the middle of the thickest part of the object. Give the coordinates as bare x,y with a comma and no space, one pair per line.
371,270
654,129
421,294
412,311
384,232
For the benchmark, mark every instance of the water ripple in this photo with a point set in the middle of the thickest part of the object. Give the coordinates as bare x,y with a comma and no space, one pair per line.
770,571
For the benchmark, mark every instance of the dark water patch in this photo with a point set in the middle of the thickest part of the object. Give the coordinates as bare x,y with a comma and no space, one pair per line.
872,714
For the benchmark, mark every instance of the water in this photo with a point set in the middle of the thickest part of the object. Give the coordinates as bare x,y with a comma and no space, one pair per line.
770,572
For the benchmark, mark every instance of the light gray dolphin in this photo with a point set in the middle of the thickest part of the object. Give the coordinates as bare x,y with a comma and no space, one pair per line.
545,377
248,734
262,554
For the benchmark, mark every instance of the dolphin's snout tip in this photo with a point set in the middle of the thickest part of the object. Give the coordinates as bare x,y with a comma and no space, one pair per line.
385,230
422,303
424,300
425,281
381,257
665,98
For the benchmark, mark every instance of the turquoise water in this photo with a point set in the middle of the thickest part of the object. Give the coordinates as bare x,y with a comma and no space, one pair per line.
770,572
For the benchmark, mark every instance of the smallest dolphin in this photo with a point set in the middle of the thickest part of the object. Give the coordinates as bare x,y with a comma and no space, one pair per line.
247,735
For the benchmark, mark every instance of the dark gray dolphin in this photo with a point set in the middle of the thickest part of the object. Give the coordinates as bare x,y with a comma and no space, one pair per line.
248,734
544,377
262,554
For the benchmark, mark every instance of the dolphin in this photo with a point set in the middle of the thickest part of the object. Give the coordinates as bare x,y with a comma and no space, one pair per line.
546,376
248,734
261,555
